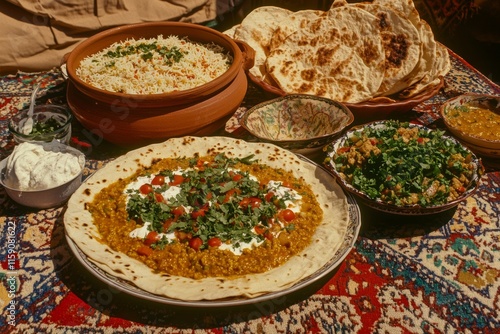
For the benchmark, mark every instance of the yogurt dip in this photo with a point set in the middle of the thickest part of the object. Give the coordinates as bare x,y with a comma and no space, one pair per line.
35,166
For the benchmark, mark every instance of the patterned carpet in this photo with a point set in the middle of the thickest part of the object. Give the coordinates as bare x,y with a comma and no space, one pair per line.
437,274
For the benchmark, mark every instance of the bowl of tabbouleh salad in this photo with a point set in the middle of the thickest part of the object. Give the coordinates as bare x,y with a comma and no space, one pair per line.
404,168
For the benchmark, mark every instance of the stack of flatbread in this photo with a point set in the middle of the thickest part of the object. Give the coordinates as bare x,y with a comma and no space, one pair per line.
379,50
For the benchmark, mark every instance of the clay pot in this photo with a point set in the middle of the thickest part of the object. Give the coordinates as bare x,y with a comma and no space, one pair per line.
135,119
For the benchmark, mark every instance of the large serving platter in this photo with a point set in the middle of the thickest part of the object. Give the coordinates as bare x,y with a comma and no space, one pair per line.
335,258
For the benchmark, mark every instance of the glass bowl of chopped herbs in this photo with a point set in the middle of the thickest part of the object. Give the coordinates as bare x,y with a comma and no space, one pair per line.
403,168
50,122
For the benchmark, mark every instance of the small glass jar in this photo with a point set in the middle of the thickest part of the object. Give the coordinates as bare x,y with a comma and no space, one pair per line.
49,122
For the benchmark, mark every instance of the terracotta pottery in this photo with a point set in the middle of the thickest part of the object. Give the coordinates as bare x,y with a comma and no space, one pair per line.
134,119
194,32
134,125
376,109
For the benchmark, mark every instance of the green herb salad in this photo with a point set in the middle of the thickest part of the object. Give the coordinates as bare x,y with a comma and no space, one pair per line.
403,164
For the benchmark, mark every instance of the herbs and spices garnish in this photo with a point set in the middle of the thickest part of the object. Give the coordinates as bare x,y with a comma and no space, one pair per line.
47,126
147,51
214,203
404,165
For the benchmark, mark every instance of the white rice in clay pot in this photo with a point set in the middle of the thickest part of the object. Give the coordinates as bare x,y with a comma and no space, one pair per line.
154,66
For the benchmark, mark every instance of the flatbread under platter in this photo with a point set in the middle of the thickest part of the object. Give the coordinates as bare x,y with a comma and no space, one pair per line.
326,240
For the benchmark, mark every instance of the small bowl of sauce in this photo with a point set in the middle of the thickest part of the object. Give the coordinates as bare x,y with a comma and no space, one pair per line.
475,120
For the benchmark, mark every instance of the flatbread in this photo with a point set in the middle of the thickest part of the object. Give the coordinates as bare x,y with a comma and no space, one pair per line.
292,23
440,66
326,240
414,62
231,31
401,42
422,72
339,56
256,30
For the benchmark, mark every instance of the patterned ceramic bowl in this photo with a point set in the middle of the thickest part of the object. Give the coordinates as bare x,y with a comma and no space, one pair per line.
475,120
405,159
300,123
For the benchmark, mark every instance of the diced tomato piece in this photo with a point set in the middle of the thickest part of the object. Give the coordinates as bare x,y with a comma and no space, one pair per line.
151,238
168,223
245,202
144,250
146,189
255,202
259,229
237,177
344,149
195,243
159,197
209,196
200,163
158,180
287,215
178,179
230,194
200,212
420,140
286,184
268,235
214,242
269,196
178,210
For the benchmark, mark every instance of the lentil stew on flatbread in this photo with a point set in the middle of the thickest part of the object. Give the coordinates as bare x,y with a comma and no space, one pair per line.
323,204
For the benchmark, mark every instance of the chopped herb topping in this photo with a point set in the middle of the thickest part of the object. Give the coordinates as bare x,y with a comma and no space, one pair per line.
216,200
404,165
47,126
146,52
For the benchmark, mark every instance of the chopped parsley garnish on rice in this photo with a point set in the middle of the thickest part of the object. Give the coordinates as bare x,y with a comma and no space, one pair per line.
154,66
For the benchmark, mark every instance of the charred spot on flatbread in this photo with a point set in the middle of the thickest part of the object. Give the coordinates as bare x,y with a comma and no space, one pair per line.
324,42
412,60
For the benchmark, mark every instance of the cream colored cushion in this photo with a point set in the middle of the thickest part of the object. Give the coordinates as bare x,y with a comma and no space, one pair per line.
36,35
